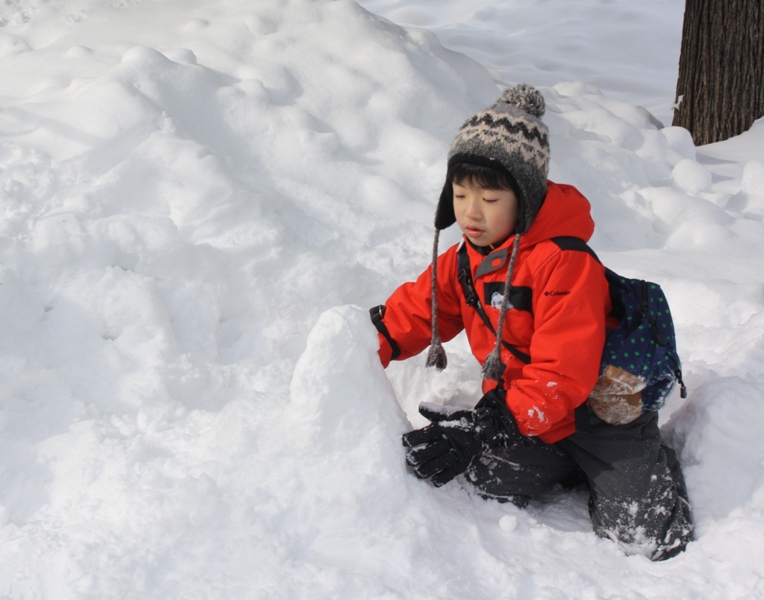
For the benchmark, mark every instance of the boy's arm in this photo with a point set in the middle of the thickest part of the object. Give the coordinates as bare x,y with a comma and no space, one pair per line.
404,324
570,304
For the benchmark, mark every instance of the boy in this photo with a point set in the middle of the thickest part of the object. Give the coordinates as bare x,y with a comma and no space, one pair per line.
524,270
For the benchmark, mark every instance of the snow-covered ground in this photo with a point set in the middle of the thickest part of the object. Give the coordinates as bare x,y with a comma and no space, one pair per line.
199,202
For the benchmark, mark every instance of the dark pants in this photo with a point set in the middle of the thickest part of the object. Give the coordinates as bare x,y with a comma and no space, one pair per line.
637,491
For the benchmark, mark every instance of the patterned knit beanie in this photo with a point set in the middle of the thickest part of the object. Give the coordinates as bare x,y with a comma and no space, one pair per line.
509,137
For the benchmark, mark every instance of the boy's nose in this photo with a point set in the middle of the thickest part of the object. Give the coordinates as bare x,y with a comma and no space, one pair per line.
473,208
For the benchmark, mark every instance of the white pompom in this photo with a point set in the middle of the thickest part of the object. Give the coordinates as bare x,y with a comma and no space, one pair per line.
525,98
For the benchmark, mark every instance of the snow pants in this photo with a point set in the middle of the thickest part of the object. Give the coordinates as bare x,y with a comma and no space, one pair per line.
637,491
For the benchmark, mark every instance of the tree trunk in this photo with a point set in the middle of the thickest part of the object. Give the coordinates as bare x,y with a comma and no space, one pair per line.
720,89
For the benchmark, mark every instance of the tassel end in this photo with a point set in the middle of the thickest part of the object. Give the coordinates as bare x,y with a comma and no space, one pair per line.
436,357
493,368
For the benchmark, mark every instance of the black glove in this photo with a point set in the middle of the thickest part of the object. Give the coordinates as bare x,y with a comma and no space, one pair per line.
445,449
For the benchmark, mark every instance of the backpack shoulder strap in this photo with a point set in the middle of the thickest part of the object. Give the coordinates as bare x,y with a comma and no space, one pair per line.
573,243
473,300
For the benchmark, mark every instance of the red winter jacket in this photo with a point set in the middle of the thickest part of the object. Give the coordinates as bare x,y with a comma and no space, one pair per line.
560,302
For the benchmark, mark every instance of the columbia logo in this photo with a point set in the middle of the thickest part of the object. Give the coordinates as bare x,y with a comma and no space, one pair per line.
557,293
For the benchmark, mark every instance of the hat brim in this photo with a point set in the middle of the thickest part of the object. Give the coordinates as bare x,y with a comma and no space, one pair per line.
444,213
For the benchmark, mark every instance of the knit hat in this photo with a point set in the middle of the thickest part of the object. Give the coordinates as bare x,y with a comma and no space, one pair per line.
509,137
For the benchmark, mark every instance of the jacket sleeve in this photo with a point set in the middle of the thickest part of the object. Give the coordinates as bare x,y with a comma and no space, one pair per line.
406,317
570,303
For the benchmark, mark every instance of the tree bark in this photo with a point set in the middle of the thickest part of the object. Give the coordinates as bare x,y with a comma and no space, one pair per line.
720,89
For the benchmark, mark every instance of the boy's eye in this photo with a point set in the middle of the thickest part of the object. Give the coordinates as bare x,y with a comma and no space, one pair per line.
490,199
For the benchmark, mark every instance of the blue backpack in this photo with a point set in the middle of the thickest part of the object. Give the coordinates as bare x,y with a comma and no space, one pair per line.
643,344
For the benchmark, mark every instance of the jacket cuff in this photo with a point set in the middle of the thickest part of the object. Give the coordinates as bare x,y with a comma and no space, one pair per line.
388,349
385,351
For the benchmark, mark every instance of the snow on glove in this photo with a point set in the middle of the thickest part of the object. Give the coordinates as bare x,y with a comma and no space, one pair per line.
499,427
445,449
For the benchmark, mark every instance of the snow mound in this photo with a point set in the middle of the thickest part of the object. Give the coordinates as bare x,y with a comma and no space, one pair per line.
341,401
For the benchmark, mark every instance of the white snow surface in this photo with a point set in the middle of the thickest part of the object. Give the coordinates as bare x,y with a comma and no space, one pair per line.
200,200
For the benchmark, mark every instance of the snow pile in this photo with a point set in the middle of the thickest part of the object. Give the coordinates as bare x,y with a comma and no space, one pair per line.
200,201
630,51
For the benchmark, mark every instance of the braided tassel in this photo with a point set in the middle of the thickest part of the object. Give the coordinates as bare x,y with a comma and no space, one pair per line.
436,355
493,367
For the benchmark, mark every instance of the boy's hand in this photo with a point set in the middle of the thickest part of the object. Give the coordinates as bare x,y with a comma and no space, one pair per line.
445,449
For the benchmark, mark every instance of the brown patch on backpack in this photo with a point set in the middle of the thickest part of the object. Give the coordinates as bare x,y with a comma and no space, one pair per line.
617,396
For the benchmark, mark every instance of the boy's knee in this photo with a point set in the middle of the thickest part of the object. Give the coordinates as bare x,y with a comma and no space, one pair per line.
635,539
520,473
656,523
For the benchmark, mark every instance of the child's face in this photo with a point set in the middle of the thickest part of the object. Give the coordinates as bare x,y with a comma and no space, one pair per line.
485,216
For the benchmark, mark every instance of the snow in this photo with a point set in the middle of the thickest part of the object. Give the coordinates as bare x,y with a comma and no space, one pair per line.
201,200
